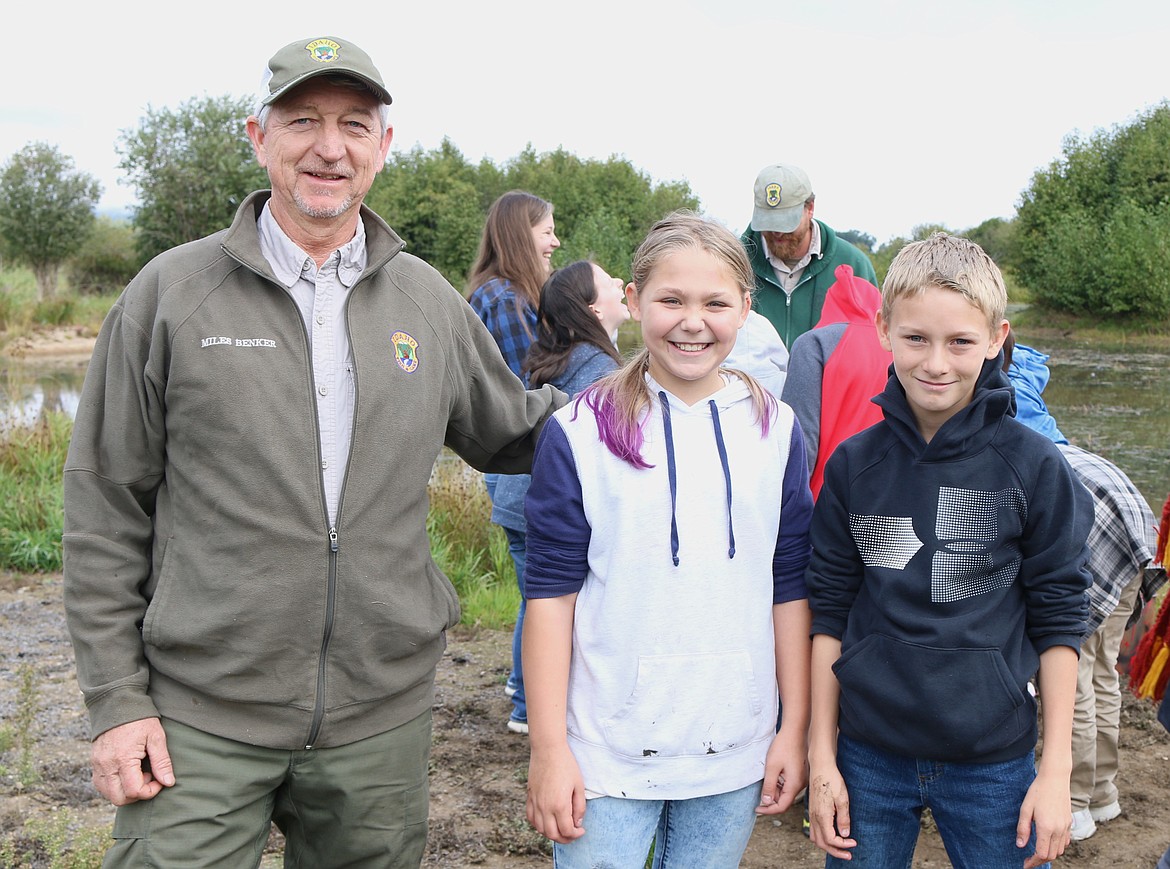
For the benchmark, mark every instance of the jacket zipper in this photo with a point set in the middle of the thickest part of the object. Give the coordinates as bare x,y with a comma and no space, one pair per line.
330,600
334,546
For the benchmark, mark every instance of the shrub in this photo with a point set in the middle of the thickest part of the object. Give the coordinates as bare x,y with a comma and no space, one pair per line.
107,261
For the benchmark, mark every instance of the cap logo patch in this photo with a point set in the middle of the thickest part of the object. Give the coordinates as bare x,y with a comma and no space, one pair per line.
405,351
772,195
323,50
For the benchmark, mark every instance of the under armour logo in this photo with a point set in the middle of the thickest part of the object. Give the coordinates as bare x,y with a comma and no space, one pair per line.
968,527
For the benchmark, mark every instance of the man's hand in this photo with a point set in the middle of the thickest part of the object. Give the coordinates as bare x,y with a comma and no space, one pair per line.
131,763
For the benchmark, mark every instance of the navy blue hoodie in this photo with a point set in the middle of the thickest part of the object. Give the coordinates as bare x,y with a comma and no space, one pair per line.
945,569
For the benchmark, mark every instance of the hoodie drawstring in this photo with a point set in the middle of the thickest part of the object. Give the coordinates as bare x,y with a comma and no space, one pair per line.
672,476
722,447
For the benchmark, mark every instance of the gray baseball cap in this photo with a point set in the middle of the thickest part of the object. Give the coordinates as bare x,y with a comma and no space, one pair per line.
780,193
300,61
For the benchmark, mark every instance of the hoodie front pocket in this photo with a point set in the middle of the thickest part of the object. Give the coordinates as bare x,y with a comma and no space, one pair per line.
685,705
922,701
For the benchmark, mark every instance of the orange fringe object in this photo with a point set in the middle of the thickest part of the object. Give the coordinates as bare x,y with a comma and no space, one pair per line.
1149,670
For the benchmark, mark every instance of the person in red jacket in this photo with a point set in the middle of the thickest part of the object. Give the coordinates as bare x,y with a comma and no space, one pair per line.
835,369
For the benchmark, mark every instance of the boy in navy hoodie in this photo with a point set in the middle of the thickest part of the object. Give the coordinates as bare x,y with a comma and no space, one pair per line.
948,570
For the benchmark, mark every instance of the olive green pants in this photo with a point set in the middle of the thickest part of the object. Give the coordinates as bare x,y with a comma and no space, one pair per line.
363,804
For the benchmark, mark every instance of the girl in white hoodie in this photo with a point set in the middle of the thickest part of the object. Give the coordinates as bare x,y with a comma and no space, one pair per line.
666,606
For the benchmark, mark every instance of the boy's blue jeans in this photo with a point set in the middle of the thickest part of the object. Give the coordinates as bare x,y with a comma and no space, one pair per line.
704,831
976,807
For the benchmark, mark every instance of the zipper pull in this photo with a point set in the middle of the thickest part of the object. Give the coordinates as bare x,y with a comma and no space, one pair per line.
333,540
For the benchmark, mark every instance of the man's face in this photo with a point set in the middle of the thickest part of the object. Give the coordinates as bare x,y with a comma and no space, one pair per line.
791,246
322,146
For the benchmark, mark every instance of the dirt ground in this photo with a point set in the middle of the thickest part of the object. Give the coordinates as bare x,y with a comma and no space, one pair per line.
478,767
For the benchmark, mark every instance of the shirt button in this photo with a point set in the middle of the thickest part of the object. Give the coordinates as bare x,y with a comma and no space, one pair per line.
322,390
320,319
324,465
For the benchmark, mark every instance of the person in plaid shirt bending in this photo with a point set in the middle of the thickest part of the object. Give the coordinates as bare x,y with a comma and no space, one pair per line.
1121,555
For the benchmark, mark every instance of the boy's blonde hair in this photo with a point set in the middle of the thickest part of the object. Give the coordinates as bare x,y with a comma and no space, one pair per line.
950,263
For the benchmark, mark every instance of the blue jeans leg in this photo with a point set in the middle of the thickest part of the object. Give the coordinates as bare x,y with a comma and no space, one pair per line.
708,831
976,806
518,551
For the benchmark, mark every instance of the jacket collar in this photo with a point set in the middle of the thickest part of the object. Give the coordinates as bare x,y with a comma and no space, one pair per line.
242,240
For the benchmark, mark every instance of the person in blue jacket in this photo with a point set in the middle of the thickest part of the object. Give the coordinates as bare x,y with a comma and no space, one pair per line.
948,569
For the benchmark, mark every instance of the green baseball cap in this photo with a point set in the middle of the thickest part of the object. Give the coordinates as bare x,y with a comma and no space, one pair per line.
300,61
779,196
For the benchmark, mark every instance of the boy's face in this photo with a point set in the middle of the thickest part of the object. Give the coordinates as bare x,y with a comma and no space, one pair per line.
939,341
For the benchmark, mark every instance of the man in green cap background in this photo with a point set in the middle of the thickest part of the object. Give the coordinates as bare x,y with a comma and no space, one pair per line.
793,254
254,611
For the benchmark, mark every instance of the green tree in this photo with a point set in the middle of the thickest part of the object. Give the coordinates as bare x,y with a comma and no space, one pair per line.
108,259
46,211
432,201
611,199
438,202
190,168
859,239
1093,228
998,238
884,255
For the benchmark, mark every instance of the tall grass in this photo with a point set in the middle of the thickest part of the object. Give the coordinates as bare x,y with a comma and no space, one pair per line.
21,313
471,551
31,460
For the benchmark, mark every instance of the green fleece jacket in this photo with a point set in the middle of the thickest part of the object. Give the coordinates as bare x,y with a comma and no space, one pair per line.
795,315
203,581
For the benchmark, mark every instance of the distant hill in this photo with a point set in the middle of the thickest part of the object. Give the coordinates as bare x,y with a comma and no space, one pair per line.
115,212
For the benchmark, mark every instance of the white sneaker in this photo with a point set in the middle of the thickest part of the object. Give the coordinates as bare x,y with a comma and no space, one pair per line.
1101,814
509,691
1083,825
520,726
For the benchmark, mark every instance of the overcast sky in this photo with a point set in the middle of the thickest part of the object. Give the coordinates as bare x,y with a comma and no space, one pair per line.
902,113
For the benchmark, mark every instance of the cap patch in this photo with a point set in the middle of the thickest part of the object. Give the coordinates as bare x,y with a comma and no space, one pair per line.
772,195
323,50
405,351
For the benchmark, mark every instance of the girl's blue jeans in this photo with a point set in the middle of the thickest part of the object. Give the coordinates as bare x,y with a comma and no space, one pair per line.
975,805
518,551
711,832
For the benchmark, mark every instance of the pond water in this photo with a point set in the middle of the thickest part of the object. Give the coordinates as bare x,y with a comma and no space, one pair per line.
31,387
1114,401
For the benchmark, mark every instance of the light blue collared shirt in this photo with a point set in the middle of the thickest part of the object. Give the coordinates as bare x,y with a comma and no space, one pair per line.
320,294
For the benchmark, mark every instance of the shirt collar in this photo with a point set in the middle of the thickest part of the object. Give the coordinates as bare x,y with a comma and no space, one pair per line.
289,263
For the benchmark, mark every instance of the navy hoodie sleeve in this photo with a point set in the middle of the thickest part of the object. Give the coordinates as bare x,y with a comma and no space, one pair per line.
1054,570
792,544
558,533
835,569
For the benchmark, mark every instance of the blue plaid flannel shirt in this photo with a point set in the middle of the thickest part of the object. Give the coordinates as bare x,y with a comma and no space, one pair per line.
495,304
1123,536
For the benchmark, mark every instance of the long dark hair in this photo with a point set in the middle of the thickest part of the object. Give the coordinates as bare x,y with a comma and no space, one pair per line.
564,319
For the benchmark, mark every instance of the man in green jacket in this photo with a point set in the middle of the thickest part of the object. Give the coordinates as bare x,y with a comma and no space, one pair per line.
254,610
794,255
